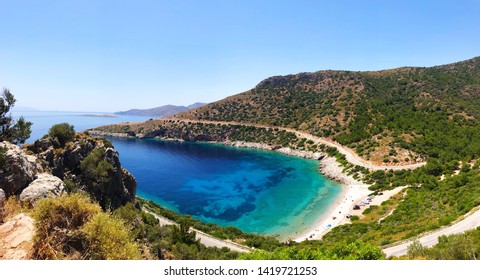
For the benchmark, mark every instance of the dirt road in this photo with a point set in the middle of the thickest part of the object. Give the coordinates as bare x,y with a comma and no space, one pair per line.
350,155
470,221
204,238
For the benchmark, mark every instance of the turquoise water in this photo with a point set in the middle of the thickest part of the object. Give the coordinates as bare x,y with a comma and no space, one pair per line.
256,191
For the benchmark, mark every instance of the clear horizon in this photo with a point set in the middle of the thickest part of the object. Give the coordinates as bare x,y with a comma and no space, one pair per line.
119,55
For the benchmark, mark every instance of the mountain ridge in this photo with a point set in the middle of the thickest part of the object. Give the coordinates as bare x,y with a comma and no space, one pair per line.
161,111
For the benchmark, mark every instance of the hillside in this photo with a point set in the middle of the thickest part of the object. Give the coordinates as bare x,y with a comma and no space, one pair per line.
392,118
383,115
162,111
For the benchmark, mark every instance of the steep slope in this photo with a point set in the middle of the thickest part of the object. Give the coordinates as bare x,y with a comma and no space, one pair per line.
383,115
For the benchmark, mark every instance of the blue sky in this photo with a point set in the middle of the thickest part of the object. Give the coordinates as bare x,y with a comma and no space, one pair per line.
116,55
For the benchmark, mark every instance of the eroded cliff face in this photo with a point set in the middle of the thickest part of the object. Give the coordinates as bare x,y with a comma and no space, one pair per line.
91,165
85,164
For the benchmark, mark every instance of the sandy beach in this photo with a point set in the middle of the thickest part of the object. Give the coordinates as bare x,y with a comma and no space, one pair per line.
353,192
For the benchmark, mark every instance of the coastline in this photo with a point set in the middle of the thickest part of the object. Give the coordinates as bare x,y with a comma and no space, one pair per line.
352,190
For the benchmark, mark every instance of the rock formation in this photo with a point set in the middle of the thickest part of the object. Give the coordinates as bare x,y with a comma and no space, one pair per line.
116,188
19,171
45,185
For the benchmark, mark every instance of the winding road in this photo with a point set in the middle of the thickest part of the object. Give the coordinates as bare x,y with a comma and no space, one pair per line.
204,238
469,221
350,155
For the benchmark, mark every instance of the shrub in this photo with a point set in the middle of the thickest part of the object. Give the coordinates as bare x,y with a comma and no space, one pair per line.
62,133
108,238
94,167
11,130
57,223
72,227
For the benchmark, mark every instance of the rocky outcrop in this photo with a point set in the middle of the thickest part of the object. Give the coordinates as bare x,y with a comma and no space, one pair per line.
121,186
45,185
331,169
114,189
19,171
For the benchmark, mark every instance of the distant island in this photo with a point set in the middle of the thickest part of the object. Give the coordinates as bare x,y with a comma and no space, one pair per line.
99,115
162,111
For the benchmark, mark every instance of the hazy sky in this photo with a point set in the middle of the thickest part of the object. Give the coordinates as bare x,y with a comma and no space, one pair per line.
116,55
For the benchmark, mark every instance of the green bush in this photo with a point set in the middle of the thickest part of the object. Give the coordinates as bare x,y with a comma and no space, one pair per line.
94,167
107,238
57,224
61,133
72,227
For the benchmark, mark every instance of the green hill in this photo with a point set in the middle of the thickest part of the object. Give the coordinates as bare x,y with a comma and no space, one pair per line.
389,117
379,114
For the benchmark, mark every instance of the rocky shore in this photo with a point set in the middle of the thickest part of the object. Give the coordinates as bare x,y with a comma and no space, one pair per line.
352,189
328,165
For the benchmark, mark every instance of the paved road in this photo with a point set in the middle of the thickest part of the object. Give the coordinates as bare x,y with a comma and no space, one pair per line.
430,239
350,155
204,238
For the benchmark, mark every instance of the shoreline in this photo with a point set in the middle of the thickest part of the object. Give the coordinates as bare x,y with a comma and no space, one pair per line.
352,190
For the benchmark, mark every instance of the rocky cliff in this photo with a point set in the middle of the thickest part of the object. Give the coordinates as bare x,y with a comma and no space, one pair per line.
85,164
91,165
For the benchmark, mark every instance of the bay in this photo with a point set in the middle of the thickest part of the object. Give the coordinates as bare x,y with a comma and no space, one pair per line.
256,191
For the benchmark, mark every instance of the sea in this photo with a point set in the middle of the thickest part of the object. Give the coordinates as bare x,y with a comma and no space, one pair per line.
257,191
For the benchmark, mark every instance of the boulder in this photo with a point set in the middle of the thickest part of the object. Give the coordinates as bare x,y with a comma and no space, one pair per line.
19,171
46,185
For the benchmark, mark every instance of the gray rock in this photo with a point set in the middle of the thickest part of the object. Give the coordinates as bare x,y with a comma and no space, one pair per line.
19,170
46,185
42,145
2,205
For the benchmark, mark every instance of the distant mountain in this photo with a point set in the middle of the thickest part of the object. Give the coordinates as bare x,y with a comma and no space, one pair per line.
162,111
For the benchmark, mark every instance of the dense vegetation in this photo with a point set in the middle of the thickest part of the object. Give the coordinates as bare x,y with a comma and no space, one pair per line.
464,246
422,209
72,227
394,115
168,242
316,251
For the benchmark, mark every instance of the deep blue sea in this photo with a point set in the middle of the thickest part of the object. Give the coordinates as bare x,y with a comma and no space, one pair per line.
257,191
43,120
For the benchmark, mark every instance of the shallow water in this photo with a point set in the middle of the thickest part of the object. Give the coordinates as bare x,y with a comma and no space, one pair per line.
256,191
